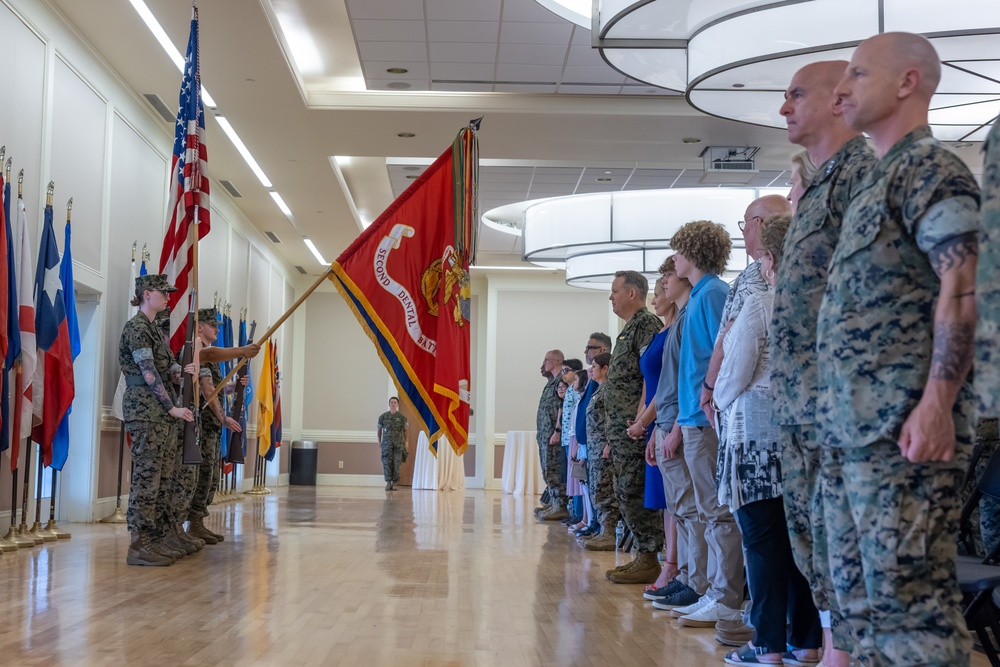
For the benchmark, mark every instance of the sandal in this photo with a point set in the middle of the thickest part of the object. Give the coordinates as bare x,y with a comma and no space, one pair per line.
789,658
747,655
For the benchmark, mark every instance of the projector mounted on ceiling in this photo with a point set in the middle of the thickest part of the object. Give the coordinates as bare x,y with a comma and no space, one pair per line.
729,165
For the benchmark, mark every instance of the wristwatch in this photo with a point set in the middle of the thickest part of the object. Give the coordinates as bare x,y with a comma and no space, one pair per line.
705,385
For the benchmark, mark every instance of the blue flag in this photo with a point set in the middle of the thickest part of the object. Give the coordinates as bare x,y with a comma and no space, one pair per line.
224,366
60,444
247,392
13,327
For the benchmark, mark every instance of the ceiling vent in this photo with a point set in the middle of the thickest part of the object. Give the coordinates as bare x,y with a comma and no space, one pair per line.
160,107
274,237
729,165
230,188
300,269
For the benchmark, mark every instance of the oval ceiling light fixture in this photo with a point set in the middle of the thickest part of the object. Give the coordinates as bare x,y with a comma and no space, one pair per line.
704,50
576,233
397,70
405,135
398,85
690,140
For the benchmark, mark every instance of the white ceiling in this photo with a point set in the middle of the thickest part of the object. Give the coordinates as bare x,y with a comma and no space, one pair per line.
288,76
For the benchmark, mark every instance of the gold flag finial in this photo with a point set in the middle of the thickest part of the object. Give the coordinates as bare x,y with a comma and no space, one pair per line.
7,168
134,244
49,192
145,253
20,182
3,152
69,209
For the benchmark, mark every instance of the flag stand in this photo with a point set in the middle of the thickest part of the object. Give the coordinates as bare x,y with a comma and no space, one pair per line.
7,542
37,530
52,526
118,516
22,529
258,479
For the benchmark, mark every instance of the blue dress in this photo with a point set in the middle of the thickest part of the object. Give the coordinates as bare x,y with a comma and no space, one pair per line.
650,364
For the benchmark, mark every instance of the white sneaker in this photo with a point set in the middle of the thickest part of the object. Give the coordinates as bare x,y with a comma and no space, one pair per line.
710,614
677,612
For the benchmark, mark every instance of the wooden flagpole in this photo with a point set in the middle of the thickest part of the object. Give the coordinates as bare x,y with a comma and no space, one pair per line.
274,327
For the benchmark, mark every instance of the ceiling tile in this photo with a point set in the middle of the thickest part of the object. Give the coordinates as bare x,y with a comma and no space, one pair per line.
462,87
392,51
601,74
461,72
396,84
525,87
589,90
532,54
385,10
463,31
582,36
512,32
368,30
416,70
555,179
496,171
463,52
657,173
584,56
511,73
462,10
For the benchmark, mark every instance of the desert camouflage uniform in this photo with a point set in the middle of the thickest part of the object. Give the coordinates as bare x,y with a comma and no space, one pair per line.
988,283
545,425
152,430
802,273
892,525
600,476
393,443
623,391
209,473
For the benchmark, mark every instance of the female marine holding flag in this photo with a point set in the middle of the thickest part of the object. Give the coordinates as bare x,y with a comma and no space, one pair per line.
150,416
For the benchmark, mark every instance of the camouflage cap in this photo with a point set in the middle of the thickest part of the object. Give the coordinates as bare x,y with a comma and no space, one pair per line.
208,315
153,281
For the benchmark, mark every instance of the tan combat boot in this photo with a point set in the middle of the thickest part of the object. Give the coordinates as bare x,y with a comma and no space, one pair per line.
645,570
603,541
171,540
188,539
621,568
140,553
197,529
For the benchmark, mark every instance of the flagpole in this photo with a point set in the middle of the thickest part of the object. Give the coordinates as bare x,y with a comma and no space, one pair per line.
118,516
37,530
274,327
22,529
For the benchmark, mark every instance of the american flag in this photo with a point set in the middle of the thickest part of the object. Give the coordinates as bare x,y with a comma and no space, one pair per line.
188,190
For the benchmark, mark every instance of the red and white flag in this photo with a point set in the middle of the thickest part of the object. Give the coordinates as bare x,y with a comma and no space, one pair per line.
188,191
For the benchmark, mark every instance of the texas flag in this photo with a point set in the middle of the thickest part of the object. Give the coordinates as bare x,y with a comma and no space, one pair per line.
53,384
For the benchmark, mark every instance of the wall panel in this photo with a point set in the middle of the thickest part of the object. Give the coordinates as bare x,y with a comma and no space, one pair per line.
529,323
79,118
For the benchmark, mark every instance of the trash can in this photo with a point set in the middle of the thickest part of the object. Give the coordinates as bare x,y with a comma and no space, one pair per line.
302,468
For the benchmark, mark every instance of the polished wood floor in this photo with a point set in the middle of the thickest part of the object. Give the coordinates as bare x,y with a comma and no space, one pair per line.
341,576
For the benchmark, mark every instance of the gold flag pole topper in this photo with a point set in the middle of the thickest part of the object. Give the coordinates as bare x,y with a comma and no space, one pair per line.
20,182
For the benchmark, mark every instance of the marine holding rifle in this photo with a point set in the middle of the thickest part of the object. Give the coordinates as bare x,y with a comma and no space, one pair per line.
150,417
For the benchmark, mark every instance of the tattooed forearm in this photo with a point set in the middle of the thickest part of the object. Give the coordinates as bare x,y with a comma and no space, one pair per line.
207,387
954,345
953,253
154,383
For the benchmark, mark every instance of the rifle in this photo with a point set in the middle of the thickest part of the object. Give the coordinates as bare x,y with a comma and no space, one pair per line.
192,430
235,453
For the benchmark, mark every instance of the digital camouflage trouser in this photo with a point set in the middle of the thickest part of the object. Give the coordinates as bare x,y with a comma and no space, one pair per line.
601,487
149,443
630,488
207,477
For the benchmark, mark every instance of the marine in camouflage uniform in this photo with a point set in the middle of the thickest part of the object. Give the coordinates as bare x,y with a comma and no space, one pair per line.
548,454
600,476
623,391
987,368
809,245
146,364
392,426
207,477
892,524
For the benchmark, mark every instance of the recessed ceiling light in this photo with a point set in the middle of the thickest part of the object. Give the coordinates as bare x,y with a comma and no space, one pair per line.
398,85
963,144
405,135
411,168
397,70
607,172
603,179
690,140
739,85
412,177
